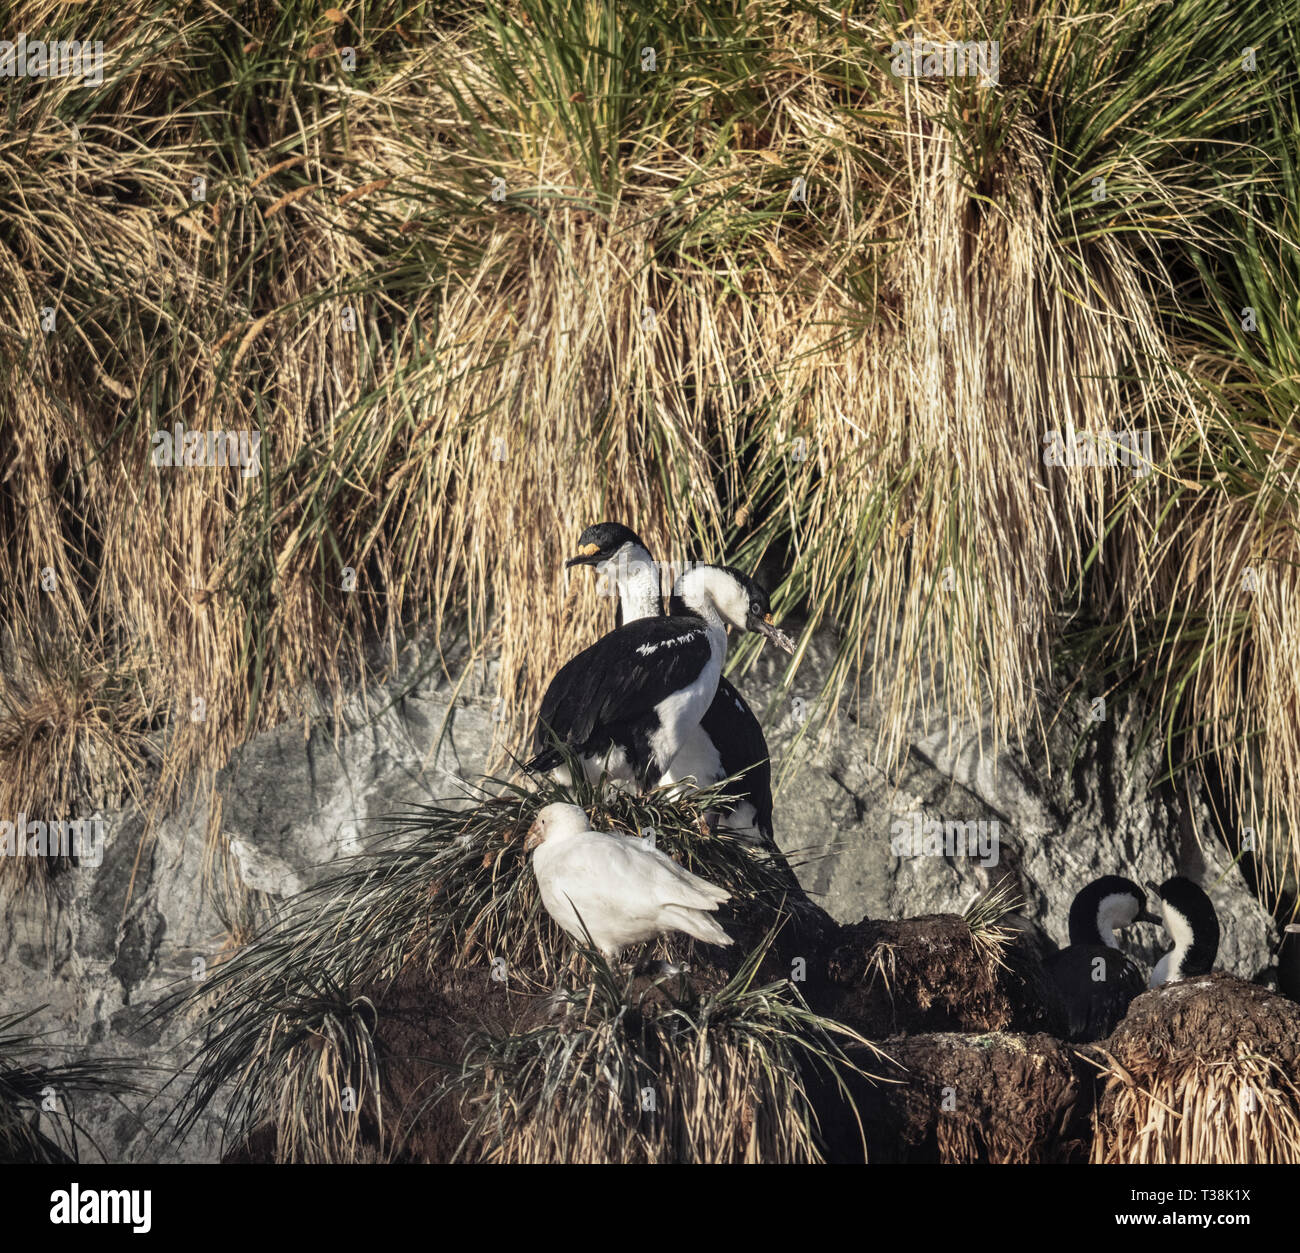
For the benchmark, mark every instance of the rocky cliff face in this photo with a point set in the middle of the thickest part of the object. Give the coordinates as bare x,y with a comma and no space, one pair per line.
109,941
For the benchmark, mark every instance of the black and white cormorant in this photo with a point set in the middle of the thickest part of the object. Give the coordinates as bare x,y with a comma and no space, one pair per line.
728,743
1189,918
618,556
629,702
1092,981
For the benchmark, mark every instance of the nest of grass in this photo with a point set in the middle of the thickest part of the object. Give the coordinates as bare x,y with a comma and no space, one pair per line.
633,1074
1201,1071
996,1098
940,972
448,887
295,1021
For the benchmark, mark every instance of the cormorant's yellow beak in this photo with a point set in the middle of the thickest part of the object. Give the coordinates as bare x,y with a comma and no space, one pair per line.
586,556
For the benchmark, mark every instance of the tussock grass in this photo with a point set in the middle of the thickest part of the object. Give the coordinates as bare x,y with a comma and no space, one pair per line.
289,1018
307,1066
656,1076
31,1131
1200,1071
984,917
73,735
1240,1109
853,386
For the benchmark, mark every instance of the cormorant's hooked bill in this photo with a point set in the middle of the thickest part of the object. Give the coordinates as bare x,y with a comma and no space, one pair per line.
600,542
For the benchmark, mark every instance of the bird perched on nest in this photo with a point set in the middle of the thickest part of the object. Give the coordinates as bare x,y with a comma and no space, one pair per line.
1189,918
1092,981
628,703
728,742
621,888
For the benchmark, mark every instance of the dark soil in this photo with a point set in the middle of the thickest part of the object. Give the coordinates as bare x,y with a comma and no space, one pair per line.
918,975
992,1097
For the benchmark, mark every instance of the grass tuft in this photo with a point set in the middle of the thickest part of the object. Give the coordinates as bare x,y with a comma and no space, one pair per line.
658,1074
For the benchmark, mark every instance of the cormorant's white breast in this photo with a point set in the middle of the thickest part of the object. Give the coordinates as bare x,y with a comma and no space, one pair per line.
1189,918
728,743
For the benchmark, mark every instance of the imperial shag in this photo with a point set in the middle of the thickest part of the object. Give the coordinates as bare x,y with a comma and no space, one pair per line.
728,743
1092,981
629,702
1192,924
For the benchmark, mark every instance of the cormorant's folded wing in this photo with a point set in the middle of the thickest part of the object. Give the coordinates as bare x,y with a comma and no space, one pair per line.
619,678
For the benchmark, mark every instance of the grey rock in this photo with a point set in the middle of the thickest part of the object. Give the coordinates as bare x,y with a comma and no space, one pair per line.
112,940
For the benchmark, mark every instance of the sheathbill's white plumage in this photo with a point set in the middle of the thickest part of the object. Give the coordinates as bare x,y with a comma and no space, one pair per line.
622,888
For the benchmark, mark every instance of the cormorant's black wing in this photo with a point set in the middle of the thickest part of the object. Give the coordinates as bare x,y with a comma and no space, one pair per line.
619,679
742,750
1288,965
1090,1009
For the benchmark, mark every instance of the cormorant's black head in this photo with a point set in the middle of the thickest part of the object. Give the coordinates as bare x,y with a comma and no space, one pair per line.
1104,906
1192,924
599,543
736,598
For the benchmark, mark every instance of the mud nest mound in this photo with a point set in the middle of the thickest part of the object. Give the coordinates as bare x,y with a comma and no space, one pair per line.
1201,1071
924,975
993,1097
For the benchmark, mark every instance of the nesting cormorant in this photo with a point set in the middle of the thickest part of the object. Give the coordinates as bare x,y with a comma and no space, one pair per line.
728,743
1189,918
1092,980
628,702
1288,962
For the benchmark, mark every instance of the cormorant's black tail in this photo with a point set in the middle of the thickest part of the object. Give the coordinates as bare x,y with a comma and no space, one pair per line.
549,750
547,759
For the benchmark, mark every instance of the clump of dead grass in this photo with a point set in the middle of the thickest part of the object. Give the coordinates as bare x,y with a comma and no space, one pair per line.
646,322
659,1075
1202,1071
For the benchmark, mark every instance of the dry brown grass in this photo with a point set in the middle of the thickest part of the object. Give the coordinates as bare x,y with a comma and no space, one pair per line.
1242,1109
1202,1071
939,302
